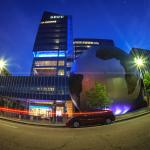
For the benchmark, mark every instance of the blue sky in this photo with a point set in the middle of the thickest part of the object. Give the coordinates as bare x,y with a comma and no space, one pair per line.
127,22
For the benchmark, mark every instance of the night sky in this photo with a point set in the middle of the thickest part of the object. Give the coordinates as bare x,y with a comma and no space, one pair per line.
127,22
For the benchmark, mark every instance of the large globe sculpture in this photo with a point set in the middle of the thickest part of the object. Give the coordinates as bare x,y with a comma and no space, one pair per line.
112,67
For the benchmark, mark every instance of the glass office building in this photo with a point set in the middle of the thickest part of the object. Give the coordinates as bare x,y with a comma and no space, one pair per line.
82,44
41,95
53,52
47,87
53,45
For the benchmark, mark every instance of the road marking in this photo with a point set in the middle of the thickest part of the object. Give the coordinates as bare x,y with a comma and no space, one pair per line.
9,125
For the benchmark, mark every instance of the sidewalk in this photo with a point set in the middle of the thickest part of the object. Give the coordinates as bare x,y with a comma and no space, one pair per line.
28,122
134,114
124,117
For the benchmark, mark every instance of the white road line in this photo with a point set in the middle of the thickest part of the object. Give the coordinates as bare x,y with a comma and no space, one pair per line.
9,126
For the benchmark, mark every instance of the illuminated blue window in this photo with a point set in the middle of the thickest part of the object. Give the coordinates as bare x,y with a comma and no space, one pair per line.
49,54
39,107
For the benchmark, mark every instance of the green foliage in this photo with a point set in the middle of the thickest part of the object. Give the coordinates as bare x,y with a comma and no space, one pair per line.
5,72
147,82
98,97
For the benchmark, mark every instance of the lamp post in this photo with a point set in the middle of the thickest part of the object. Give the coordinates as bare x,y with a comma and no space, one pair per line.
140,63
3,64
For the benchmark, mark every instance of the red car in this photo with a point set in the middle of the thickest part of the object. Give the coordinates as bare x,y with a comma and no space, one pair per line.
91,118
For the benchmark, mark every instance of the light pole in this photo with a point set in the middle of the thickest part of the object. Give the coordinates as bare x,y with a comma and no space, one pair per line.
140,63
3,64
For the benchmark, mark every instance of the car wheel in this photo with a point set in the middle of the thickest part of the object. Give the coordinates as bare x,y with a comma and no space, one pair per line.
76,124
108,121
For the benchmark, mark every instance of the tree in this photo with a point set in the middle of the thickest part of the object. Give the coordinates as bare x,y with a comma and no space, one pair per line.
5,72
98,97
147,84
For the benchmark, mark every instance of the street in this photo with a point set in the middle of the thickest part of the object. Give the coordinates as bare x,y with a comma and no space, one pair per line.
127,135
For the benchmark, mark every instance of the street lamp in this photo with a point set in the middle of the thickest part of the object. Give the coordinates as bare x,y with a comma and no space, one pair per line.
3,64
140,64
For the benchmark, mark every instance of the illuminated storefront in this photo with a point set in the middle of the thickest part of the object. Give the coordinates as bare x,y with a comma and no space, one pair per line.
46,108
43,111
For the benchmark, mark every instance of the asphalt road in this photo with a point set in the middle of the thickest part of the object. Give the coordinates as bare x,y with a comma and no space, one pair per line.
127,135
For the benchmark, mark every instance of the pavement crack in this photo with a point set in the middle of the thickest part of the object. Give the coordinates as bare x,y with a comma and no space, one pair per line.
60,147
63,145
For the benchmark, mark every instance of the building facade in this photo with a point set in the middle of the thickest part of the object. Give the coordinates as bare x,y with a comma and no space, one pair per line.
41,95
53,52
53,45
82,44
47,87
111,67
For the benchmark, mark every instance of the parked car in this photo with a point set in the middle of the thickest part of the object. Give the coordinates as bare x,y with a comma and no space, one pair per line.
91,118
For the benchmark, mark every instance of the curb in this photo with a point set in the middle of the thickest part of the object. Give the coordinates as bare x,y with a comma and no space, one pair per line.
62,125
132,117
32,124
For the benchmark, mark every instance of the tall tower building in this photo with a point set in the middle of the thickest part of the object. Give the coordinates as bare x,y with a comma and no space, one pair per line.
52,51
83,44
53,45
